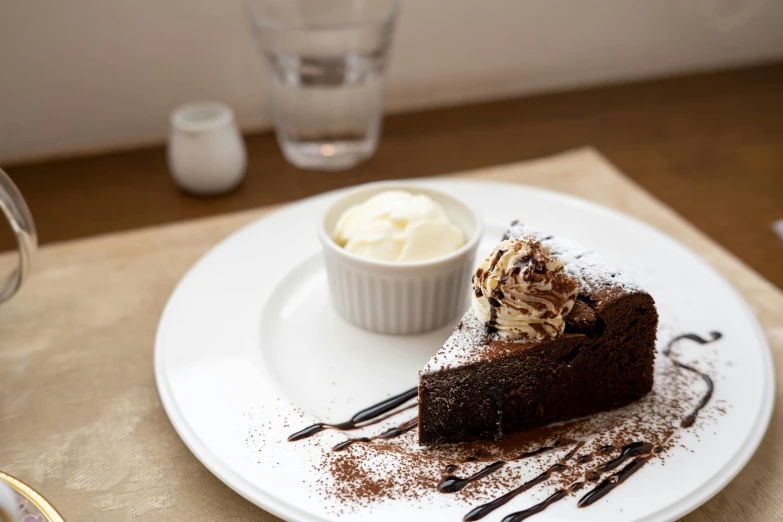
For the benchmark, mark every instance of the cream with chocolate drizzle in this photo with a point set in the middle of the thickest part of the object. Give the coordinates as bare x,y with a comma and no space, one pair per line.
521,292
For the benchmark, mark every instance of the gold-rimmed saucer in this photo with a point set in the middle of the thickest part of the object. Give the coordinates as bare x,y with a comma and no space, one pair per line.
32,505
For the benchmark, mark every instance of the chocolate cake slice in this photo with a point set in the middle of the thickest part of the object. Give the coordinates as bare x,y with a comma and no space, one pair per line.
562,334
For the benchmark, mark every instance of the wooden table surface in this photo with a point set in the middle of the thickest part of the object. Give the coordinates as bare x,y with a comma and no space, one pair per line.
708,145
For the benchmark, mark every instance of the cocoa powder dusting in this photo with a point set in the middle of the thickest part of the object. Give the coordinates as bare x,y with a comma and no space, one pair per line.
368,474
399,468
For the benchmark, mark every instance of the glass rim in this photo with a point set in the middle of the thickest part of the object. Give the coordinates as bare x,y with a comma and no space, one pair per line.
270,23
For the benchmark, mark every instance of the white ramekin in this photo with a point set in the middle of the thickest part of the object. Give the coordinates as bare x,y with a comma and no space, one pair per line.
400,298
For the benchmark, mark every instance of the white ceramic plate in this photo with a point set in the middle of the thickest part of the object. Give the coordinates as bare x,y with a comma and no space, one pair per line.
249,349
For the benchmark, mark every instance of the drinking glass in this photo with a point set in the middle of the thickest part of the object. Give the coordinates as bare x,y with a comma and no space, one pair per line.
13,206
327,63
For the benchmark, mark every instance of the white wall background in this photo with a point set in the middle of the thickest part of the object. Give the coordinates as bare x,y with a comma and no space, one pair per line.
83,75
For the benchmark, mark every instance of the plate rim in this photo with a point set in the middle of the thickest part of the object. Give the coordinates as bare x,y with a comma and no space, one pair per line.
289,512
38,500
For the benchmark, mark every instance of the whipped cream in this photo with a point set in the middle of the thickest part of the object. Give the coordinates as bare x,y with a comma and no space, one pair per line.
521,292
398,226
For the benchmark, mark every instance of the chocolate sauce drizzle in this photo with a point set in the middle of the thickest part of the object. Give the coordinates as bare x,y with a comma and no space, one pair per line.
631,450
571,453
366,417
690,419
560,494
452,484
541,450
611,482
592,476
492,325
634,449
388,434
485,509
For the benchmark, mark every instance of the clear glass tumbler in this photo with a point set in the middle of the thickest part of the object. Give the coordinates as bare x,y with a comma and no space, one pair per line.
13,206
327,62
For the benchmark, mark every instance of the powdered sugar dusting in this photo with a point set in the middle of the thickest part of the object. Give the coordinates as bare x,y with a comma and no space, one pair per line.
587,267
466,344
594,274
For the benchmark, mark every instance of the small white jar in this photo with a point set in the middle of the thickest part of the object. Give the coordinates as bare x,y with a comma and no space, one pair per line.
400,298
206,153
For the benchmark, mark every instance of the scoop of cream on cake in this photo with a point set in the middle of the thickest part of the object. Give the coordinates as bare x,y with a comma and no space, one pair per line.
521,292
398,226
